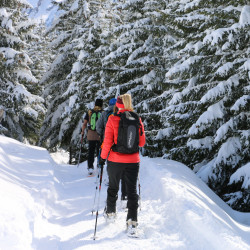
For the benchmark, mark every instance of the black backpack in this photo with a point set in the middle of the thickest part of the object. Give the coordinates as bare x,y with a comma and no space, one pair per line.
128,133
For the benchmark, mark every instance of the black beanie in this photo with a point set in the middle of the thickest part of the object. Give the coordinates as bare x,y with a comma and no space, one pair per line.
98,102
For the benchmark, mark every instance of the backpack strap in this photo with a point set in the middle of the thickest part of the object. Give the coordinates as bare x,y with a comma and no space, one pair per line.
116,114
109,114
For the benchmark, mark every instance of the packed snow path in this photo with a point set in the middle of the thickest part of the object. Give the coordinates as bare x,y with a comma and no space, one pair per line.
48,206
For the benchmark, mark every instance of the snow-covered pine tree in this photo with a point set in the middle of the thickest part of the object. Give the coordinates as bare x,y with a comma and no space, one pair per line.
81,80
169,42
39,51
87,74
136,61
65,30
209,116
22,110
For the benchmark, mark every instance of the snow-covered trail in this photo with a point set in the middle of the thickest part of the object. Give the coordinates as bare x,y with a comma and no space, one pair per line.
48,206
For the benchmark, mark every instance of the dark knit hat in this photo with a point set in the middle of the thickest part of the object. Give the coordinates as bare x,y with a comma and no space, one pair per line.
119,103
98,102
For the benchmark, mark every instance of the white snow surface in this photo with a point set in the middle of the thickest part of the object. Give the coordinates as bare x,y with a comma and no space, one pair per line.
47,205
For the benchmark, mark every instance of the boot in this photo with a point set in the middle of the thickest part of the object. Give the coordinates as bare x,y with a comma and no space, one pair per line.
131,227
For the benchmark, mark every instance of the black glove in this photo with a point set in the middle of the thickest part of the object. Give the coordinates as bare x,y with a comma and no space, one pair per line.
102,162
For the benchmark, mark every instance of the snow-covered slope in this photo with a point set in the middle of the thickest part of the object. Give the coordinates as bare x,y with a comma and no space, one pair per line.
47,206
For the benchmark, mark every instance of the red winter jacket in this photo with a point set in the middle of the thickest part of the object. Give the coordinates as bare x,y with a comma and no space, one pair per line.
111,134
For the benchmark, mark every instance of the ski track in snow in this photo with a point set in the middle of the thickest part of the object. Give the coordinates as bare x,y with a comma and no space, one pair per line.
48,206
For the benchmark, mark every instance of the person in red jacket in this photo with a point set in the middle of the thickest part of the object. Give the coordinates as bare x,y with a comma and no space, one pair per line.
119,163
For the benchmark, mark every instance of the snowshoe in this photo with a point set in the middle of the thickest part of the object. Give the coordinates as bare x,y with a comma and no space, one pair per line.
110,217
132,229
91,172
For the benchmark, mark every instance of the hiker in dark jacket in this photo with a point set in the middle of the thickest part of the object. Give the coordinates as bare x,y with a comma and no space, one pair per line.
92,136
121,162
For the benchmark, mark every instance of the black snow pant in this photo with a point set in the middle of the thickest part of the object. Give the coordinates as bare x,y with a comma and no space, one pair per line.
115,171
123,187
94,147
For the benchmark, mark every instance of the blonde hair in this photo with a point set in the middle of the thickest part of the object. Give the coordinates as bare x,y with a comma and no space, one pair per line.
127,101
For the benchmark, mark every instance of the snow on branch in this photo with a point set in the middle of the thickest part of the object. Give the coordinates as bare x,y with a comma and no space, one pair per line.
6,23
201,143
191,4
181,67
213,112
57,115
73,87
26,75
21,92
229,152
8,53
63,128
75,6
245,15
30,111
163,133
71,105
241,102
24,2
242,173
206,171
25,25
147,78
215,36
224,69
222,131
220,89
176,98
246,65
4,13
191,17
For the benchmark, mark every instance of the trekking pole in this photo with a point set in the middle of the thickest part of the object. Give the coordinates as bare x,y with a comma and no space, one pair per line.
97,177
96,187
80,152
139,187
100,185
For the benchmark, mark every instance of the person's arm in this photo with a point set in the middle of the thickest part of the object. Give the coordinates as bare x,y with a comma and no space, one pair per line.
108,139
85,122
84,125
